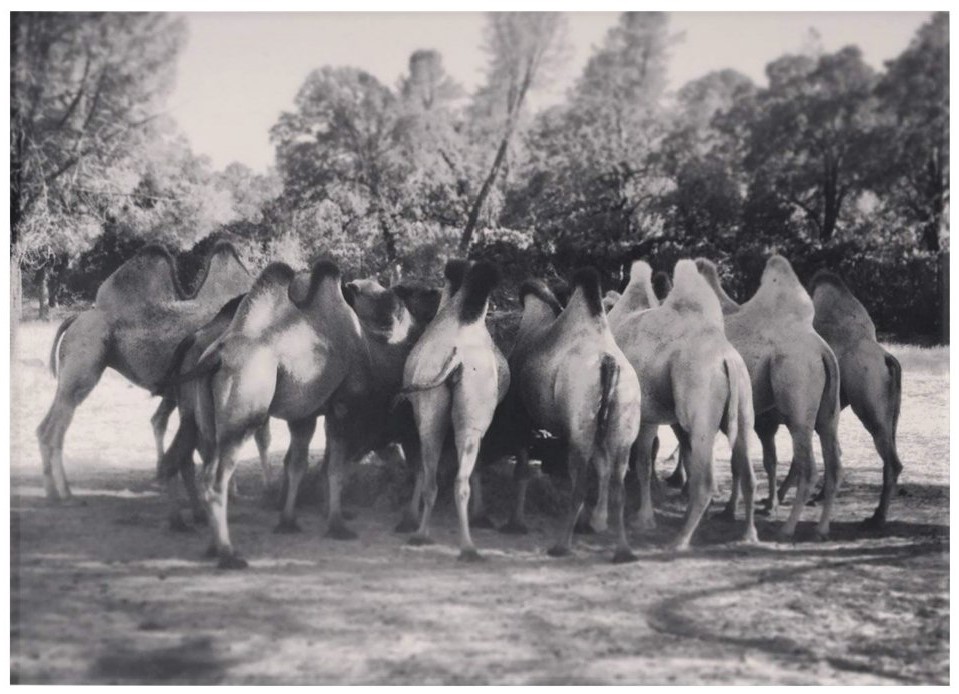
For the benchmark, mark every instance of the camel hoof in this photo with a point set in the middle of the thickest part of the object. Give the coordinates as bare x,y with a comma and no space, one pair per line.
232,562
727,515
419,541
749,537
558,551
406,525
483,521
583,527
874,522
470,555
287,527
178,525
338,531
624,556
678,546
514,527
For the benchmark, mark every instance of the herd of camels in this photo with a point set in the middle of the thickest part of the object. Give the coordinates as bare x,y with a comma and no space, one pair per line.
416,366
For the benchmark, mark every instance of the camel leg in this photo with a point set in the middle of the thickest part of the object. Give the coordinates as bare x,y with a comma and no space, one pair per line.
479,517
577,466
747,482
215,493
766,426
295,463
262,437
643,450
410,518
521,473
73,389
806,471
432,428
600,518
885,441
832,462
336,527
467,448
177,458
159,422
700,485
729,511
617,497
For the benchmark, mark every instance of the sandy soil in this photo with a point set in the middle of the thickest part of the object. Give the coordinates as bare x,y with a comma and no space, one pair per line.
103,592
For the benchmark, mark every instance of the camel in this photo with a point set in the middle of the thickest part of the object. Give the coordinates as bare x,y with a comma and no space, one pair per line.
454,378
140,315
795,380
870,379
690,376
296,359
178,458
575,382
609,299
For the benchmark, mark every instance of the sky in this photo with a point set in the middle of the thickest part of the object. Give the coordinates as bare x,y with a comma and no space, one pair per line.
239,71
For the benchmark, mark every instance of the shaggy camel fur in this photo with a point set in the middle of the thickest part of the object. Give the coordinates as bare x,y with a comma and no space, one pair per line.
870,379
178,457
795,381
454,378
140,316
690,376
575,382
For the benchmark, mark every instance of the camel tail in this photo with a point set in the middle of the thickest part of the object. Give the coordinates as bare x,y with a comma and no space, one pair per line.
732,405
830,392
450,369
55,352
895,388
609,378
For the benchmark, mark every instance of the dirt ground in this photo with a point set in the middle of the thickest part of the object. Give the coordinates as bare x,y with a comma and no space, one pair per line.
104,592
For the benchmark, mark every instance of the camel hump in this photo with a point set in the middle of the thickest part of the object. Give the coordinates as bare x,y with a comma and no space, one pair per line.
586,280
538,290
223,273
692,293
265,299
149,276
455,273
481,277
838,312
323,271
782,293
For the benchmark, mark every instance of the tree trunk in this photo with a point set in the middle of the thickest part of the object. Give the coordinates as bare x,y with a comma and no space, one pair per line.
16,291
43,293
467,237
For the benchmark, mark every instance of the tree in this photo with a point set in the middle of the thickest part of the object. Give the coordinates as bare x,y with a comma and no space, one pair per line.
342,135
812,135
523,47
912,175
594,179
83,88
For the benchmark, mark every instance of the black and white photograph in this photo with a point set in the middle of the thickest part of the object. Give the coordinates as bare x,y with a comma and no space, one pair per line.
479,347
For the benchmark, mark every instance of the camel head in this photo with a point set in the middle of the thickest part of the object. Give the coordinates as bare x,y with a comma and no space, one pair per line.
390,313
638,294
710,273
537,298
224,273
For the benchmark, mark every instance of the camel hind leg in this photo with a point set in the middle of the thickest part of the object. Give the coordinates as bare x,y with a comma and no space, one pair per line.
82,360
158,422
467,448
805,464
216,495
577,464
700,484
294,467
263,437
